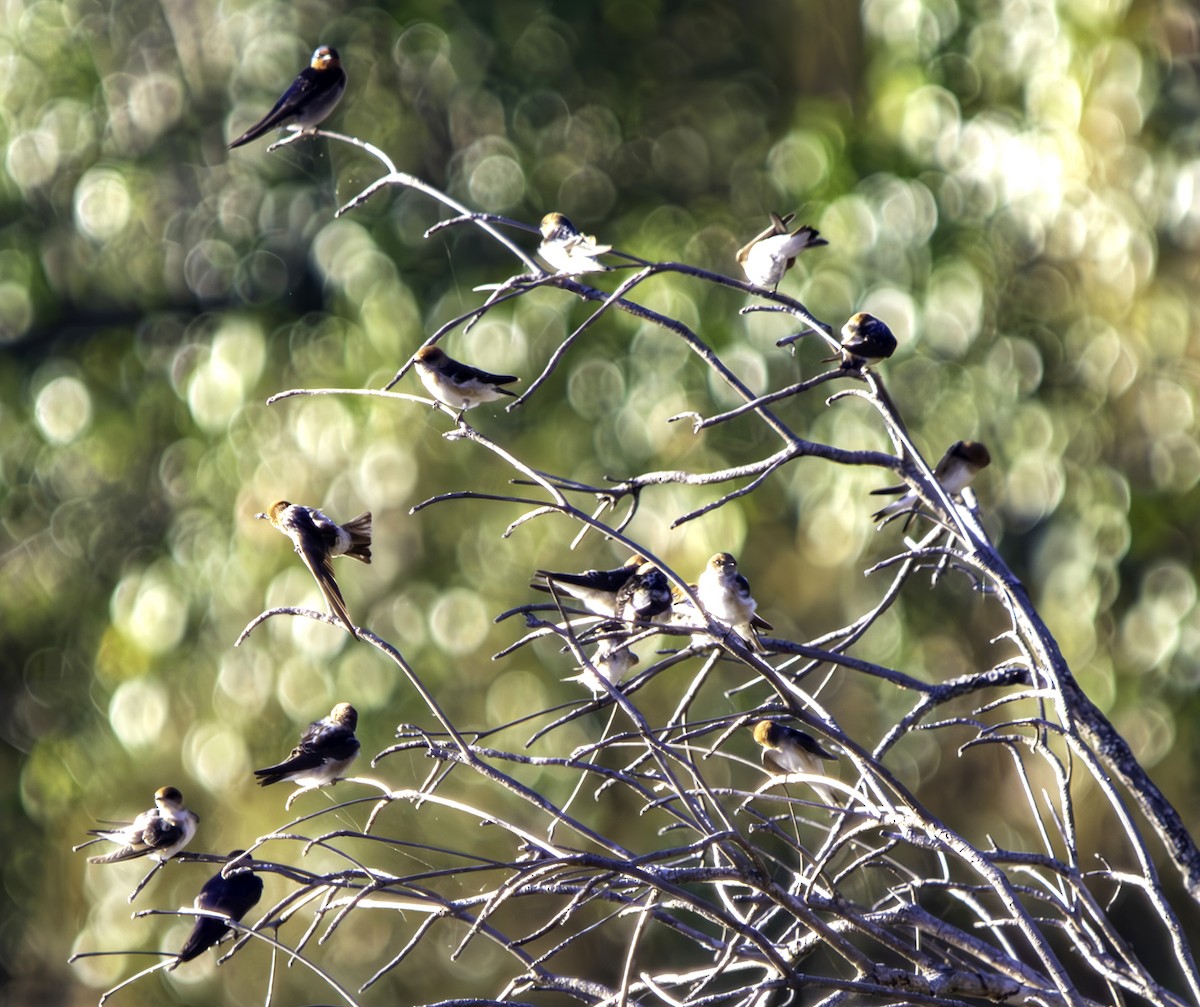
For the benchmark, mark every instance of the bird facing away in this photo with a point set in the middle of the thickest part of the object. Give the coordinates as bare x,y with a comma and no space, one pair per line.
960,464
318,539
309,100
567,250
644,596
457,385
865,340
159,833
324,753
771,253
597,589
232,897
725,595
787,750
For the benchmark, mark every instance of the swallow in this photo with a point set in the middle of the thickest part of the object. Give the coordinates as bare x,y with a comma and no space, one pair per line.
770,254
644,596
597,589
308,101
318,539
612,661
159,833
960,464
567,250
865,340
232,896
787,750
324,753
725,595
457,385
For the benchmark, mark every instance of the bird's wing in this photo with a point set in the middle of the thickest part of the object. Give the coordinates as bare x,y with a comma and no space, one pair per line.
308,81
320,565
359,529
460,372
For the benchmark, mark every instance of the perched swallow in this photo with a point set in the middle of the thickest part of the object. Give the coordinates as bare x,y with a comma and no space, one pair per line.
644,596
318,539
612,661
232,897
160,833
326,749
597,589
457,385
308,101
787,750
567,250
770,254
865,340
960,464
725,595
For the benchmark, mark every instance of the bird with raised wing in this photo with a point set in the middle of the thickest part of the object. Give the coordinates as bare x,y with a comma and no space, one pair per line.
567,249
767,256
317,539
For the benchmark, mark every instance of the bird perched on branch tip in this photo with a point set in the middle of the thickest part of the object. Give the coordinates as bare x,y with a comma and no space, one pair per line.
865,340
309,99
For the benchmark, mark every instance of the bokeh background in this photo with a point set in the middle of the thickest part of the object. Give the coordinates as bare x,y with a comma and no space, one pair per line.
1013,186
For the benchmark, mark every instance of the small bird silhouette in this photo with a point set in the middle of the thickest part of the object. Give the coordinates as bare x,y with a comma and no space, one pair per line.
325,751
309,100
232,896
159,833
318,539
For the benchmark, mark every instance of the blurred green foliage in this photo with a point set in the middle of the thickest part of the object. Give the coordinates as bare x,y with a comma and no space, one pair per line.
1013,186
